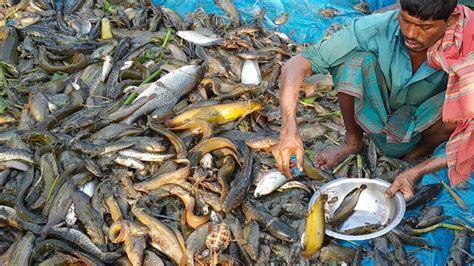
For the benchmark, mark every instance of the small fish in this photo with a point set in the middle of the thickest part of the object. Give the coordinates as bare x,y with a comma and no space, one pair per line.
102,51
328,12
273,225
239,189
294,184
281,19
126,65
333,253
129,162
461,243
23,250
270,182
264,143
230,9
362,230
398,247
206,161
382,252
8,46
15,154
251,235
145,156
161,236
106,68
251,73
412,240
199,39
427,222
347,205
172,17
172,177
423,195
283,36
362,7
427,217
333,200
178,53
71,217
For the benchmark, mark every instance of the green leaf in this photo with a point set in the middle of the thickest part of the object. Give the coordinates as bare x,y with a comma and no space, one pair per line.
147,55
59,76
3,105
107,7
309,100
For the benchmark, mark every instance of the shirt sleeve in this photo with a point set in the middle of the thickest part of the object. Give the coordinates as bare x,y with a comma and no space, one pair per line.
364,34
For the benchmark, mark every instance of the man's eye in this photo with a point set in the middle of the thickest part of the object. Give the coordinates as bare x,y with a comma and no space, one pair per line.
425,27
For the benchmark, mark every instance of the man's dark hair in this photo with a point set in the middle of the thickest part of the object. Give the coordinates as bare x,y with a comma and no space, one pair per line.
429,9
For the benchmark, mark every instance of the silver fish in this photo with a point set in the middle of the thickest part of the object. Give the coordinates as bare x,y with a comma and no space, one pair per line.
71,217
168,90
270,182
103,50
106,67
251,73
130,162
199,39
145,156
230,9
282,36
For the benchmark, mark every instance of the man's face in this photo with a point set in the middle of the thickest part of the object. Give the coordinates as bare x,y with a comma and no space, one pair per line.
420,34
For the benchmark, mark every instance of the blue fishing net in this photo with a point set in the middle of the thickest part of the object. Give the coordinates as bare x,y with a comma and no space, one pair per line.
304,25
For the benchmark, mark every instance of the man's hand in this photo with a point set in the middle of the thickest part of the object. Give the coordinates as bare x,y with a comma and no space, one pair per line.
290,144
291,78
405,183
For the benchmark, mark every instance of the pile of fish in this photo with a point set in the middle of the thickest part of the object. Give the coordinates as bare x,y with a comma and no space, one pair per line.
130,135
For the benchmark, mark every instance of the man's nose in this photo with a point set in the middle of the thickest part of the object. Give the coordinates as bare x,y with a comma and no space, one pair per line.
412,32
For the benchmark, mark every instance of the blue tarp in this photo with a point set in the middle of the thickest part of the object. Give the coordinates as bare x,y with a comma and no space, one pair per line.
306,25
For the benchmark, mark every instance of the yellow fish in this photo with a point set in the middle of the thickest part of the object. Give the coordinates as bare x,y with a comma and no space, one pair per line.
314,228
220,114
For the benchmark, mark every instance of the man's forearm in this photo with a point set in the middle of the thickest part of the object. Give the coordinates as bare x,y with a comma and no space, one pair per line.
428,166
291,79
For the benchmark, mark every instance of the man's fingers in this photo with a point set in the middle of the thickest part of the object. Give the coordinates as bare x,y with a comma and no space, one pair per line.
392,189
279,162
285,158
317,161
408,195
300,159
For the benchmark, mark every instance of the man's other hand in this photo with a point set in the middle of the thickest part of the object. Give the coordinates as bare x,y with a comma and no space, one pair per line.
405,183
